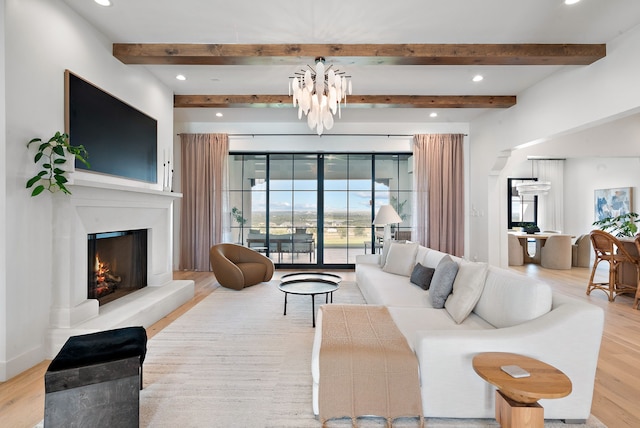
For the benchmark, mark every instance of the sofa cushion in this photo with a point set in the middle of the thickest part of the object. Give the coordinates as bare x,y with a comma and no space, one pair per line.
422,276
412,321
386,245
510,298
433,257
401,258
467,289
421,254
382,288
442,281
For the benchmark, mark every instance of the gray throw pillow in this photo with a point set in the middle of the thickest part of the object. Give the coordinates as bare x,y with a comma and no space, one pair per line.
422,276
442,282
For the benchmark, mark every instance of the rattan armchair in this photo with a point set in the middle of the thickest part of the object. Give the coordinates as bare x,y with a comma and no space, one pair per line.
609,249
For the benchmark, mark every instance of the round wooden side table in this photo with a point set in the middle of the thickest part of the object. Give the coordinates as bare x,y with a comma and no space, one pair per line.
517,398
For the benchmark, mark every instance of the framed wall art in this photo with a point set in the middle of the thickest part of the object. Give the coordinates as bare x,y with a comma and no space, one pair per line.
612,202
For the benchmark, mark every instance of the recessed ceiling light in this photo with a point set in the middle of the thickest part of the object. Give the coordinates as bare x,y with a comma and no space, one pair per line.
434,114
218,114
477,78
181,77
571,1
103,2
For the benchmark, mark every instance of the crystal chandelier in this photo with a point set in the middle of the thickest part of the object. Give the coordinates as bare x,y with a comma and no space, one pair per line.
318,93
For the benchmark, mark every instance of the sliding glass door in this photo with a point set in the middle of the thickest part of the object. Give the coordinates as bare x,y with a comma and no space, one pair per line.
347,206
315,210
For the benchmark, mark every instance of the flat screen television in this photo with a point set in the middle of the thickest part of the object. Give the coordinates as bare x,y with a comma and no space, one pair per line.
120,140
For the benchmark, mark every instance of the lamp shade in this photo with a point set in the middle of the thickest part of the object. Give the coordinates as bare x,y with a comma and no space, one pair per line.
386,215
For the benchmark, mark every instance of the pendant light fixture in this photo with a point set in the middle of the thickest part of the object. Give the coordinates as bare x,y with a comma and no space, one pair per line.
317,92
536,188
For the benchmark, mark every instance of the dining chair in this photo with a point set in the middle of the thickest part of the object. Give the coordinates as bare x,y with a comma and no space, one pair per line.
556,252
402,235
608,248
516,252
581,251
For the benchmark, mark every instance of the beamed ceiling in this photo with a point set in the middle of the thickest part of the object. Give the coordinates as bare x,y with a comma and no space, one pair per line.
407,58
357,54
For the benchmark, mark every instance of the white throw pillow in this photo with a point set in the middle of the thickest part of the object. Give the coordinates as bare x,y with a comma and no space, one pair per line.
401,258
385,249
467,289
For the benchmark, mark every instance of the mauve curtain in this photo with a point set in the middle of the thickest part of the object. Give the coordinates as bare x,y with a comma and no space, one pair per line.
204,185
439,184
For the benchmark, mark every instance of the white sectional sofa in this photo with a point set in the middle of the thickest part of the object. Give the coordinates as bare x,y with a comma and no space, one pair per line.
514,313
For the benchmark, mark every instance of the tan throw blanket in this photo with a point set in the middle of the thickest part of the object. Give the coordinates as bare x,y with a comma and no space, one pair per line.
366,366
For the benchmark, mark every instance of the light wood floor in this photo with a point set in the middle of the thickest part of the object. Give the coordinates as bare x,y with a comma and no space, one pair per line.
616,393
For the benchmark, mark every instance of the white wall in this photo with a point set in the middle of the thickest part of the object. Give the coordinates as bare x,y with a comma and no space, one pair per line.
3,197
584,175
43,38
571,100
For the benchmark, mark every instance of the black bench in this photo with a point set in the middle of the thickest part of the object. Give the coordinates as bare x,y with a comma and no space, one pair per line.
95,378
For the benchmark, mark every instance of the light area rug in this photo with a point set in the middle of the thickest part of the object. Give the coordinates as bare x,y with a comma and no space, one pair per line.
234,360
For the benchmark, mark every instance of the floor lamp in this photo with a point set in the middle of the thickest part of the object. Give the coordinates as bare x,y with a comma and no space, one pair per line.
386,217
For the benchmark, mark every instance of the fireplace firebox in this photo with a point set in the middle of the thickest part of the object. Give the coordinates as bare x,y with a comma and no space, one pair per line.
117,264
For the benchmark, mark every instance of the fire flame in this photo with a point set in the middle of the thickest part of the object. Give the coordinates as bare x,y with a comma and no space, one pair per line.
101,269
105,281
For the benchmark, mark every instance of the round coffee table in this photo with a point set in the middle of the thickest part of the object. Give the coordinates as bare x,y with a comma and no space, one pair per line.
310,284
517,398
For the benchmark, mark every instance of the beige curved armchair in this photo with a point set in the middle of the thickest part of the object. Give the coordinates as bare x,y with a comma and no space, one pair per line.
237,267
556,252
516,253
581,251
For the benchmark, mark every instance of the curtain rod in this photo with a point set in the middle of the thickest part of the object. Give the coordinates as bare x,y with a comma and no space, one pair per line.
323,135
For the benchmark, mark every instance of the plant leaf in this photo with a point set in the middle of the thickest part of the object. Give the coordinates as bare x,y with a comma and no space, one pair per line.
59,160
37,157
39,189
60,179
33,180
59,150
43,146
64,189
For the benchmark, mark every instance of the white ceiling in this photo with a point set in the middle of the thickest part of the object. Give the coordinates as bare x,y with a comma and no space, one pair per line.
356,21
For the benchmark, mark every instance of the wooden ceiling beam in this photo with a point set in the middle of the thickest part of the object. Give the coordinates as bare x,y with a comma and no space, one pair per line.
383,101
361,54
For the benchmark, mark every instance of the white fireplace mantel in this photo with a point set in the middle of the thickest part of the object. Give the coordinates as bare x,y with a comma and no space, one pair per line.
97,208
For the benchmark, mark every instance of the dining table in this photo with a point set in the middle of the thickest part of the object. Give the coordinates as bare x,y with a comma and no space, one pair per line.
628,274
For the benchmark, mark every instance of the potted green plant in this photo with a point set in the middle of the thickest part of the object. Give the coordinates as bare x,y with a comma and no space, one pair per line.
621,226
530,228
53,156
